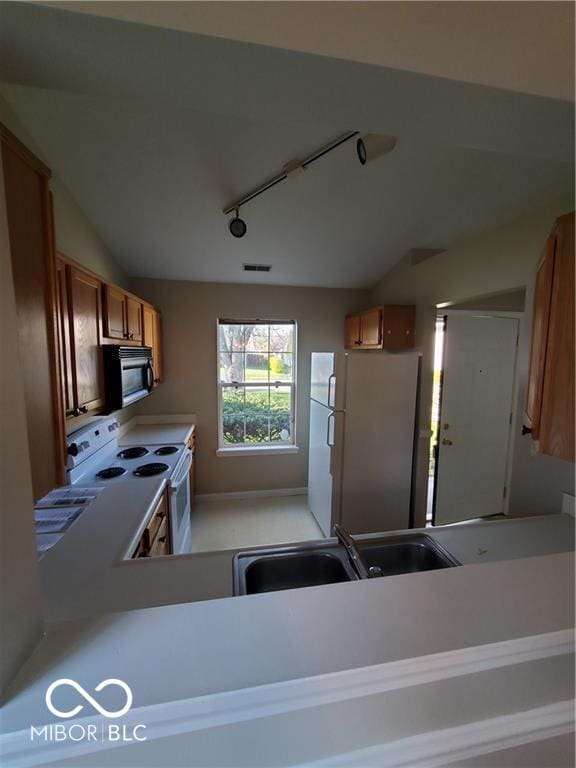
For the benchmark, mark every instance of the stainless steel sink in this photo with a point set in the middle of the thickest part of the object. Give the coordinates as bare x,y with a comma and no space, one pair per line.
404,554
308,565
316,563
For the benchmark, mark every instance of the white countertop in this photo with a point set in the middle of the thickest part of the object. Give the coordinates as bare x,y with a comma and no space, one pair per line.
230,644
85,574
157,430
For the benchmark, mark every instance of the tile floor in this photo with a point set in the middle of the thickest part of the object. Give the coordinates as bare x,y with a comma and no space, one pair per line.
220,525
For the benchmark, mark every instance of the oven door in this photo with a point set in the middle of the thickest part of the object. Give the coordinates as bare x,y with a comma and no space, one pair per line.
180,507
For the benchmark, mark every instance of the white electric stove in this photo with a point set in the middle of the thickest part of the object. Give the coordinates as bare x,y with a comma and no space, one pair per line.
95,458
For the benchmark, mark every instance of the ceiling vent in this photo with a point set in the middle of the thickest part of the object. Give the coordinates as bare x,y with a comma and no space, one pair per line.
257,267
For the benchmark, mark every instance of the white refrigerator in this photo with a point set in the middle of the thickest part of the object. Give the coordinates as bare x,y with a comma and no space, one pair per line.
362,439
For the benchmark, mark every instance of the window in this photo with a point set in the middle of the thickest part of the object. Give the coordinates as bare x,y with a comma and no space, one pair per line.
256,383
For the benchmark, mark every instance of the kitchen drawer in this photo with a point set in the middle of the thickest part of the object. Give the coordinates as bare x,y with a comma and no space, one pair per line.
161,545
155,522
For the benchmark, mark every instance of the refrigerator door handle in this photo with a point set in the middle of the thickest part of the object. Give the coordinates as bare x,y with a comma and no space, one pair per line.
332,376
328,443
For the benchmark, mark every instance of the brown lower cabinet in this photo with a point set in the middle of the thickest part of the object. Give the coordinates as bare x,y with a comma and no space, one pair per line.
389,327
551,391
156,540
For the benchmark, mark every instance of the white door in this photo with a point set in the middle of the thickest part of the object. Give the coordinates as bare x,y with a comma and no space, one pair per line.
320,482
475,416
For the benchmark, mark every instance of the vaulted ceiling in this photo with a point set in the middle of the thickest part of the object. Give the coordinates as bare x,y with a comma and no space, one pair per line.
155,131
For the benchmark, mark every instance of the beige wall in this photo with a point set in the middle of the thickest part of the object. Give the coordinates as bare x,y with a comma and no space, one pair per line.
75,236
20,609
476,42
501,260
189,315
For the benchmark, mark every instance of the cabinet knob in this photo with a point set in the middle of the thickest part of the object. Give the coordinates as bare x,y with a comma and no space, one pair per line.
83,409
526,430
445,441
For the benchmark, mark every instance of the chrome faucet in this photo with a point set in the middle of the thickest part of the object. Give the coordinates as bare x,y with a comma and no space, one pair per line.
350,546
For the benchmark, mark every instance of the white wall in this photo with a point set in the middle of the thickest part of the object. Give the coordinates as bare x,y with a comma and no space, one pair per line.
75,236
189,315
501,260
20,608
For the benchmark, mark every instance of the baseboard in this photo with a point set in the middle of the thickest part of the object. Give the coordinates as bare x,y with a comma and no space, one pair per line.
435,748
244,495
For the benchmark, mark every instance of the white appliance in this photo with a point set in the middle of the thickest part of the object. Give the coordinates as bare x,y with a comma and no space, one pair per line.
362,438
95,458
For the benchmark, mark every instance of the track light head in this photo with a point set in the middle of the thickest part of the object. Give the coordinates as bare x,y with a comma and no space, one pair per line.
373,145
237,226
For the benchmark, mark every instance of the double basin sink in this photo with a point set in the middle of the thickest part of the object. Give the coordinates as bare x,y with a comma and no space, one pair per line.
312,564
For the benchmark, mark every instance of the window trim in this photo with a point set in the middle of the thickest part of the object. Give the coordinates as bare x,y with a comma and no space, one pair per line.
257,449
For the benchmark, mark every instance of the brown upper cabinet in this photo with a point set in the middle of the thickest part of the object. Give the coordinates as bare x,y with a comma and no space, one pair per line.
152,338
122,315
91,313
551,392
26,183
79,307
389,327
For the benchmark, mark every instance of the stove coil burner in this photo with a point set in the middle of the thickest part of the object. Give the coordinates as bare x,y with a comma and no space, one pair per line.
166,450
148,470
133,453
110,472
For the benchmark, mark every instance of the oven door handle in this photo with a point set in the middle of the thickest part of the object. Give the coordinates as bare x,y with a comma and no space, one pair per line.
177,482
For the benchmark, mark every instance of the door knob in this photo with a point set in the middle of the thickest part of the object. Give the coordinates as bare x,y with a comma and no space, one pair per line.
445,441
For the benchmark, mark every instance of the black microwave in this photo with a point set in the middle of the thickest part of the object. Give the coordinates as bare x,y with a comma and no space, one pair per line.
128,375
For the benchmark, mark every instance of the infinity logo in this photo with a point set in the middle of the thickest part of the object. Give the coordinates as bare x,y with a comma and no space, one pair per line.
73,684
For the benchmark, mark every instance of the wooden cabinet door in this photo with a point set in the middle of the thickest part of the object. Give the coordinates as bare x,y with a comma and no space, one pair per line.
133,319
556,426
398,326
352,332
371,328
114,313
158,349
85,324
30,233
152,339
64,340
540,326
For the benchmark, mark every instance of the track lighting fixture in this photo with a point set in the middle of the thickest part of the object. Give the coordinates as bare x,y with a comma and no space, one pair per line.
373,145
369,147
237,225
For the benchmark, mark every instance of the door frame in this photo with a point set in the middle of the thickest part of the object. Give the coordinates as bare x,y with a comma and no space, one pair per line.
443,312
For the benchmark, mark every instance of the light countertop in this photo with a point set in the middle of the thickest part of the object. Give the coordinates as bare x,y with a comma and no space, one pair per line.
157,430
222,645
85,573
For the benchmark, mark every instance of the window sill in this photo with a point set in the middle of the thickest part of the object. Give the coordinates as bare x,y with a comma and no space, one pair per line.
269,450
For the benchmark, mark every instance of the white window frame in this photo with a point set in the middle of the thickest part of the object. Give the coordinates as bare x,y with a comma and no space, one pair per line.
254,449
